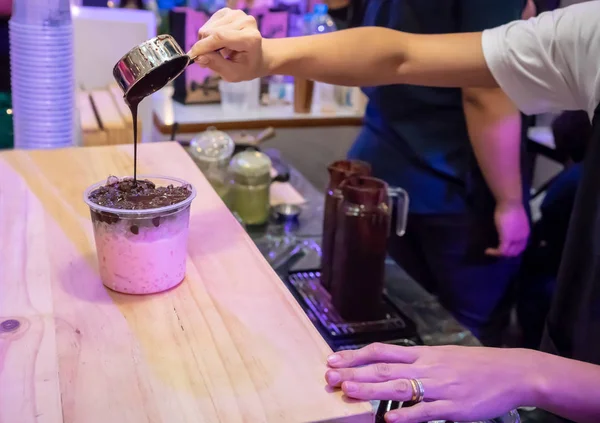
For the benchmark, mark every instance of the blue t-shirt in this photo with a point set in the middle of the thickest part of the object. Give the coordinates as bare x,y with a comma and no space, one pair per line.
416,137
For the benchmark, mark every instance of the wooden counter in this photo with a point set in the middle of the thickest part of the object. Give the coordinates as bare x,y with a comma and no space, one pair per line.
228,345
198,117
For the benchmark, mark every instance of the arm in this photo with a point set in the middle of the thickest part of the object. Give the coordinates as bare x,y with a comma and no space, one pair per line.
569,388
467,383
379,56
544,64
494,126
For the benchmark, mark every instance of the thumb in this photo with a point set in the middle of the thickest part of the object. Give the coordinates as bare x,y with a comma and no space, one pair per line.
497,251
218,64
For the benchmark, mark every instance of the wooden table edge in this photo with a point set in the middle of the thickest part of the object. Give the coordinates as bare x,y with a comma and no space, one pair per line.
188,128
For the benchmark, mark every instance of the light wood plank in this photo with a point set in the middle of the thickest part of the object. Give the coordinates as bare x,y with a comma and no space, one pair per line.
228,345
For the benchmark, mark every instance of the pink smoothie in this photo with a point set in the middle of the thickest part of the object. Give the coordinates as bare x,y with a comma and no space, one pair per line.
153,260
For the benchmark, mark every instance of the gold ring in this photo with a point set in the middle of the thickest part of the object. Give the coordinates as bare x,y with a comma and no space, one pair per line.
415,390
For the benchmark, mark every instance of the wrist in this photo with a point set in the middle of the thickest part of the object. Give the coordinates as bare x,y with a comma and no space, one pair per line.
509,202
271,60
533,384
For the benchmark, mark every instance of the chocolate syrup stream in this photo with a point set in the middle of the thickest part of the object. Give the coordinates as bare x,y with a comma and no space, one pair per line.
133,103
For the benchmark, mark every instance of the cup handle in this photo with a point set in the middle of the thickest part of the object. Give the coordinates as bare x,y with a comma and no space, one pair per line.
401,198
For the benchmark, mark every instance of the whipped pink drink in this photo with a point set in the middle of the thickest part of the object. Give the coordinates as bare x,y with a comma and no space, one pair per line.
141,231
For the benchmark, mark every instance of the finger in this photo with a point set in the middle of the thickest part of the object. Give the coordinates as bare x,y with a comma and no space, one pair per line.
226,52
236,20
494,252
231,39
421,412
373,353
226,22
395,390
218,64
379,372
220,17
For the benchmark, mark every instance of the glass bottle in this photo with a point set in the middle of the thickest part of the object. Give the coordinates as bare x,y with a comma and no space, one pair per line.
363,224
250,173
338,172
211,150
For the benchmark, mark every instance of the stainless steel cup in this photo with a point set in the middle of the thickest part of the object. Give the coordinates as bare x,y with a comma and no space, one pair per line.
161,55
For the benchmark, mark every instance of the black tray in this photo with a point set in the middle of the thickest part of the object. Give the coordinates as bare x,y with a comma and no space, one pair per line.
394,327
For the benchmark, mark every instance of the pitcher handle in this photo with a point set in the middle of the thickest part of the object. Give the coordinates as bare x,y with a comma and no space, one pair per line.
400,196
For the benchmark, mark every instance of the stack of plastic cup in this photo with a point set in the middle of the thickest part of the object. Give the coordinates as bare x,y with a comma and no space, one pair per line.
42,73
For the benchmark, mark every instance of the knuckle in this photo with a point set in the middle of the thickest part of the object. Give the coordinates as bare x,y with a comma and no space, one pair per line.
383,370
217,35
347,356
376,349
401,387
239,13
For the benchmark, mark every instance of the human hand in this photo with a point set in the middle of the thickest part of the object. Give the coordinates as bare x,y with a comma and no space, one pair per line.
236,37
512,225
460,383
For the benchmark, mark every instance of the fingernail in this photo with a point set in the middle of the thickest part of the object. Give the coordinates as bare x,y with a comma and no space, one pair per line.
350,387
202,60
333,378
334,358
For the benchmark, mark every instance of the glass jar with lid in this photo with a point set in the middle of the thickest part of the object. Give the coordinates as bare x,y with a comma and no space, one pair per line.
211,150
250,180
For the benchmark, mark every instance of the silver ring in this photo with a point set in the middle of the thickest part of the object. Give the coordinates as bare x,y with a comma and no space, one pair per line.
421,390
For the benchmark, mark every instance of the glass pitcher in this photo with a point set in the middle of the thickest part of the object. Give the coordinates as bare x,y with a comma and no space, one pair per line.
211,150
338,172
250,180
363,225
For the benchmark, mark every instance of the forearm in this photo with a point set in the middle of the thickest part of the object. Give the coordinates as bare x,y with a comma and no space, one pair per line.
494,126
379,56
568,388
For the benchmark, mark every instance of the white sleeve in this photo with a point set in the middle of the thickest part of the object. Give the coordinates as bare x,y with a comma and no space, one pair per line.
549,63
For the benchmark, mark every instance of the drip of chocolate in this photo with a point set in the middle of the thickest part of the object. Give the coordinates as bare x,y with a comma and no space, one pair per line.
149,84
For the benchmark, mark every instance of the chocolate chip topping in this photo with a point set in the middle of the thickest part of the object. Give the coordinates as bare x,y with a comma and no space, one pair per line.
125,194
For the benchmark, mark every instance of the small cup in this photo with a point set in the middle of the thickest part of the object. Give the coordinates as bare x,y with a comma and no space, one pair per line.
142,251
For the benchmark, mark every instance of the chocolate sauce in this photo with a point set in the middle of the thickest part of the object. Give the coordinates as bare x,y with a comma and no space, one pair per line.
127,194
149,84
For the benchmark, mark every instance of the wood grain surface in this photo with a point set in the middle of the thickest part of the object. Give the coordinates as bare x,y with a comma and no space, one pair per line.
228,345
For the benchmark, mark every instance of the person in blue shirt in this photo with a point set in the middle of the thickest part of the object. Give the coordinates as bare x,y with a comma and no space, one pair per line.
464,236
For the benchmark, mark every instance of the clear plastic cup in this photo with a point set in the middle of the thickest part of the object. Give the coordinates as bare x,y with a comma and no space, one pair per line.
142,251
42,12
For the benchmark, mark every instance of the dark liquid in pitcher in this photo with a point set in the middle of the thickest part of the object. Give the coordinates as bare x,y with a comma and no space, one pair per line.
338,172
363,224
149,84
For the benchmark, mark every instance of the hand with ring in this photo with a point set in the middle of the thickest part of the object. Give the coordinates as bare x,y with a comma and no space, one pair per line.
447,383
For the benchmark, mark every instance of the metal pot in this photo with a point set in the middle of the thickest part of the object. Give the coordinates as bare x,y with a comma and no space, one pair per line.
161,56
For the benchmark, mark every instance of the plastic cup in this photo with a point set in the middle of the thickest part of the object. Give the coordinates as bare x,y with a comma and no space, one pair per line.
142,251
